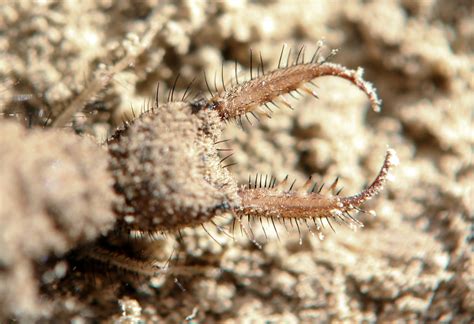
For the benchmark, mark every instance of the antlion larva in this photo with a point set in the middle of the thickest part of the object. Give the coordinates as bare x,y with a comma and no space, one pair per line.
167,166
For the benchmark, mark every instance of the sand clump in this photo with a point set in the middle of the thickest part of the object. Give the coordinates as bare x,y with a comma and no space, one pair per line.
55,194
412,261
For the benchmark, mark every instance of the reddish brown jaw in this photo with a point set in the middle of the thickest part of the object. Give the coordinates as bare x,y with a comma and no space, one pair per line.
302,205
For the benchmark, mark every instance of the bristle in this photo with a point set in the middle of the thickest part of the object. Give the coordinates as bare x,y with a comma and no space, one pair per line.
309,91
251,57
288,58
157,95
207,84
222,77
315,57
216,89
281,185
261,63
281,55
212,237
292,184
226,157
321,188
183,98
332,188
236,74
263,227
299,54
305,187
285,102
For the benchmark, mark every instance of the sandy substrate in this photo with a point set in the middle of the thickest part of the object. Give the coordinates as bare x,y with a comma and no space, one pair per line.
413,260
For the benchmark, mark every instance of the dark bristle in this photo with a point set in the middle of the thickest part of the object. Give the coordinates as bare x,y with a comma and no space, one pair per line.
269,115
342,219
215,82
329,56
187,89
225,158
207,84
284,224
173,88
298,56
330,225
48,119
291,187
314,84
281,56
236,77
263,228
298,227
222,77
234,219
288,58
212,237
274,104
261,63
298,92
248,119
274,227
157,95
285,102
360,210
347,214
321,221
255,116
293,95
251,59
321,188
180,236
229,165
315,57
222,141
268,108
333,185
221,229
241,123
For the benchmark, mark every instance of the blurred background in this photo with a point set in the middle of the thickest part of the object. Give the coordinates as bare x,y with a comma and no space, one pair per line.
412,261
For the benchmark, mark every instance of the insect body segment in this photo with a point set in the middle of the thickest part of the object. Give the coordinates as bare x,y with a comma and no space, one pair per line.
167,168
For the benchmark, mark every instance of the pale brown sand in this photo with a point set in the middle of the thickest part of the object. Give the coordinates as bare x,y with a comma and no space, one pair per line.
412,261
